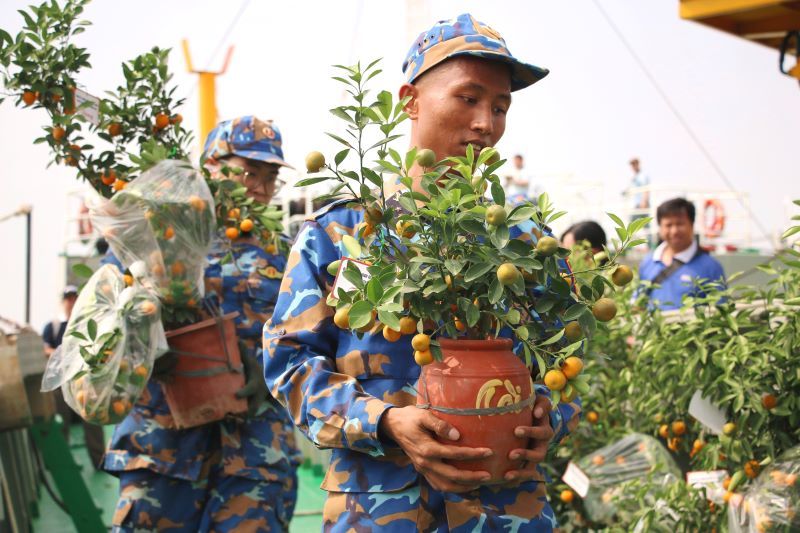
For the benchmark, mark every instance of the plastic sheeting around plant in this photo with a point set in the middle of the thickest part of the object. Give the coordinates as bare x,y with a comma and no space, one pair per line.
165,219
772,502
111,341
614,467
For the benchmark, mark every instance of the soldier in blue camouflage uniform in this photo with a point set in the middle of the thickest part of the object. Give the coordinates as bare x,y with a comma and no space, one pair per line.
387,472
236,474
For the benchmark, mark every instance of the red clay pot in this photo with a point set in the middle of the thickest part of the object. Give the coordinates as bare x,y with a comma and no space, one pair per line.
480,374
205,382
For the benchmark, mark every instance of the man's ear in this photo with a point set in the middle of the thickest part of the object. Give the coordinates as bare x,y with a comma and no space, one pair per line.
411,92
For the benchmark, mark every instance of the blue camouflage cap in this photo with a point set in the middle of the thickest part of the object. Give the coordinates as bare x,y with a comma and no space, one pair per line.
247,137
465,36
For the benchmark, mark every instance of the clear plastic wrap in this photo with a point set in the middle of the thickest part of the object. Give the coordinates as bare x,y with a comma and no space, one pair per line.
610,470
165,219
111,341
772,502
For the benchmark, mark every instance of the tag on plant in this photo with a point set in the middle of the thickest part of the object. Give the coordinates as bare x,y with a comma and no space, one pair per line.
90,112
576,479
340,282
707,413
711,481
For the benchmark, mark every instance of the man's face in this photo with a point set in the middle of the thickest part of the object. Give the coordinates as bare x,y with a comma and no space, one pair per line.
676,230
635,165
259,177
460,102
69,303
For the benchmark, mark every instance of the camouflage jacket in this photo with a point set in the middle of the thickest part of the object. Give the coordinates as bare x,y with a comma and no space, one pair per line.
261,447
335,386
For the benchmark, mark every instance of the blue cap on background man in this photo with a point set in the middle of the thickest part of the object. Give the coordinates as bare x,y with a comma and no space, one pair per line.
465,36
247,137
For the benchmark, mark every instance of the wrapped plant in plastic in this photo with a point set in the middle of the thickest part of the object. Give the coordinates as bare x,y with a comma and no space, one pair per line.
772,503
112,339
611,469
164,218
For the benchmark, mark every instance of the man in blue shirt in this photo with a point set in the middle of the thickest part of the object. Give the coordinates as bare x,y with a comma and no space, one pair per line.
678,265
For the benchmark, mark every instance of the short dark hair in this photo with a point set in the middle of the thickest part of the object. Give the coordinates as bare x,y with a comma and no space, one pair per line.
519,155
587,230
676,206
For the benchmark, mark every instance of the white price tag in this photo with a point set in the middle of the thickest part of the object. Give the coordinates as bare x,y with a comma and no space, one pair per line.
92,111
343,283
707,413
711,481
576,479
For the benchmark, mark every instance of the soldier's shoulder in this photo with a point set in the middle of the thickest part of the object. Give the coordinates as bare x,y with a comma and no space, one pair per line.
344,212
528,229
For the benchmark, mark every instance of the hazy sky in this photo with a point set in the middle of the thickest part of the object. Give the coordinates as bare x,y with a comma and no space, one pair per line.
582,123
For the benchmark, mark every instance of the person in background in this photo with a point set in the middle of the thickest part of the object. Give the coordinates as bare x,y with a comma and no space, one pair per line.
239,473
641,199
588,231
53,335
678,264
517,182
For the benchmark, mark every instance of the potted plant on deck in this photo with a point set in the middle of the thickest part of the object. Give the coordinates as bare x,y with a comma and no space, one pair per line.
484,287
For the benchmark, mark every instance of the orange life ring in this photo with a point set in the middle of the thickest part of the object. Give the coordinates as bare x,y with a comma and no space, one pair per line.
713,221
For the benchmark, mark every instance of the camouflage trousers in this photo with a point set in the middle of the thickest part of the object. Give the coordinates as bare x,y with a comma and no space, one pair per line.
150,501
523,508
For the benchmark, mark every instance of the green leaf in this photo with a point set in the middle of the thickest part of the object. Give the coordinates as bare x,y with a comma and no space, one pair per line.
374,290
360,314
495,291
588,323
455,266
473,226
82,271
352,246
389,319
390,294
552,340
77,335
499,235
339,139
574,311
473,315
477,270
91,328
520,213
342,114
498,195
352,274
638,224
544,305
598,286
311,181
789,232
618,221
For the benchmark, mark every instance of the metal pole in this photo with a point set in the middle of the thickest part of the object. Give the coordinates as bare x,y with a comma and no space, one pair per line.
28,267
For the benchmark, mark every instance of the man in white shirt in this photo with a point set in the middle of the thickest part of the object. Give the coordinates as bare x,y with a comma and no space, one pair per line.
517,183
641,199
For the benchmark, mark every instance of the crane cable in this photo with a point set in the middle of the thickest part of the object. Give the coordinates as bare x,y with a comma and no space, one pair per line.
682,121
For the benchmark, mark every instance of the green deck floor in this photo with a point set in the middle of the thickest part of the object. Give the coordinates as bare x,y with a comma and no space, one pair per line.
103,487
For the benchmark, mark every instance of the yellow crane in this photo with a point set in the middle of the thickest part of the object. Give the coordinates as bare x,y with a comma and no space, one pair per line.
207,91
773,23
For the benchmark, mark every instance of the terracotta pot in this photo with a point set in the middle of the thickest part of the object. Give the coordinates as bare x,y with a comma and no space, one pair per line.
207,374
475,380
